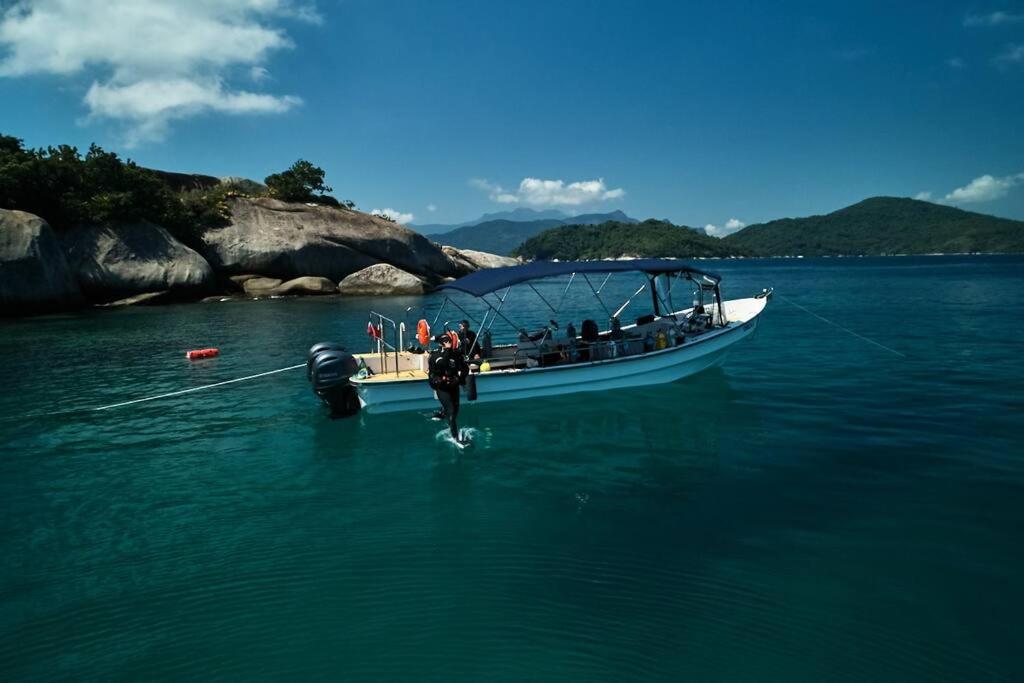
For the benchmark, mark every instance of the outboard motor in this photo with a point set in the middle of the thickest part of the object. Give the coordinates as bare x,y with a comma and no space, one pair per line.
330,366
317,349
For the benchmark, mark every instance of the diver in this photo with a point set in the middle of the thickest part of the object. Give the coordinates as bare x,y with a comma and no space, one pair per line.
467,341
447,373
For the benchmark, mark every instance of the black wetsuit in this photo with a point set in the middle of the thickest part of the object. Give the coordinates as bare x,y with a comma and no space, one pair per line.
447,372
467,339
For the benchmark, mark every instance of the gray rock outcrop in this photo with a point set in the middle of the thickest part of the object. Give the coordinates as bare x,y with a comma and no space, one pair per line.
472,260
266,286
261,286
382,279
115,261
34,273
139,299
238,281
308,285
286,241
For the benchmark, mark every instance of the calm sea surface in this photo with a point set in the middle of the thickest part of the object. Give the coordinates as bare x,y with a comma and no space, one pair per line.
816,509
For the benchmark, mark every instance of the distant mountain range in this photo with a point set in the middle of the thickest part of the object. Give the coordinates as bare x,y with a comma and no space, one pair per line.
875,226
516,215
502,235
881,226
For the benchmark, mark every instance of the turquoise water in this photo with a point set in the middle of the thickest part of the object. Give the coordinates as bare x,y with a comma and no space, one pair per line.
817,508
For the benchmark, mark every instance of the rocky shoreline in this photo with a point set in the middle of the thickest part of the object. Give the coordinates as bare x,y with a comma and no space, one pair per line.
268,248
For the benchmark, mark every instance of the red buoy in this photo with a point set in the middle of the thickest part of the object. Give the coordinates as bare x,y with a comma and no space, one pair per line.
199,354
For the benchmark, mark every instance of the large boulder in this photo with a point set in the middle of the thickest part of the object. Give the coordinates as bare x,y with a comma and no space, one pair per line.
478,260
115,261
308,285
381,279
266,286
261,286
34,273
286,241
460,263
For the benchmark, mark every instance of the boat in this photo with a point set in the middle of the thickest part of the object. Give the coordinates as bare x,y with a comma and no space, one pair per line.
665,345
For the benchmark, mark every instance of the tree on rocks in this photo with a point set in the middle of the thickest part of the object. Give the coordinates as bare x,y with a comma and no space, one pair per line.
302,182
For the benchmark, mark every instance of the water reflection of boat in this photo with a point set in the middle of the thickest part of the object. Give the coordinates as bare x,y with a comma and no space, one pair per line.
665,345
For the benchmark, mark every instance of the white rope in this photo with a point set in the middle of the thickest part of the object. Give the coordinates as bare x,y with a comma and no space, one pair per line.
859,336
206,386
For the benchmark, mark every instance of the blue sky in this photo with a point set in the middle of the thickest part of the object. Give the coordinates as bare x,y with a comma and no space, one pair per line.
745,111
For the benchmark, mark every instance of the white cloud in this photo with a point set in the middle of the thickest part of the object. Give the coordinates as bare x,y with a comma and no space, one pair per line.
395,215
925,196
731,226
956,63
180,53
984,189
150,105
537,192
431,208
1013,54
992,19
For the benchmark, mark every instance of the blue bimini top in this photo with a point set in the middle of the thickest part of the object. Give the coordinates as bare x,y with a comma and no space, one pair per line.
490,279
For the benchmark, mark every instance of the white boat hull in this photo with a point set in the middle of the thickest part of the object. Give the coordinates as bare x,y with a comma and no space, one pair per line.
655,367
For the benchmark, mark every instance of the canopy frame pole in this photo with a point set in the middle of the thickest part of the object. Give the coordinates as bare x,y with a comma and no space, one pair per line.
439,310
553,309
606,278
596,295
466,313
497,311
621,308
561,299
476,339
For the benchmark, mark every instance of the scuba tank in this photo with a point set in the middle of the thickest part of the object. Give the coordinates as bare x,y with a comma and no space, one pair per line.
485,343
660,340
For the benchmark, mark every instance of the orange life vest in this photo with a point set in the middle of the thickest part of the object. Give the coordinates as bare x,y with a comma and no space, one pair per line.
423,332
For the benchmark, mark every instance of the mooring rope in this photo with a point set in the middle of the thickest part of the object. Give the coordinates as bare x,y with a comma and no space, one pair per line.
205,386
848,331
74,411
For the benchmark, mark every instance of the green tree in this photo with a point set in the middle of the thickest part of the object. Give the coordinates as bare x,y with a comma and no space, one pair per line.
298,183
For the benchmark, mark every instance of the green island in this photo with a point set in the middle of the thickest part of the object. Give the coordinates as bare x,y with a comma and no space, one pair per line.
615,239
882,226
878,226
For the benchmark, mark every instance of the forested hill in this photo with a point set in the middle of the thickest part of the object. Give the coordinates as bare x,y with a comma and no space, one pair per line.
501,236
881,226
652,238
